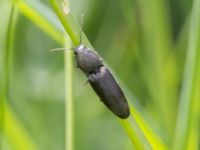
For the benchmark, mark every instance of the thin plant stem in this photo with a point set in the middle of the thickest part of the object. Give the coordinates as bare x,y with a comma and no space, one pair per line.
69,115
71,26
135,134
68,58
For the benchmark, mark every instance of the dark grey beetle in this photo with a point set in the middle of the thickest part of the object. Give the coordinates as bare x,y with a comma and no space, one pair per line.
102,81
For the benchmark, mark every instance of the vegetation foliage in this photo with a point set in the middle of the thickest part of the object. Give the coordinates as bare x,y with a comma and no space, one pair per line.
151,46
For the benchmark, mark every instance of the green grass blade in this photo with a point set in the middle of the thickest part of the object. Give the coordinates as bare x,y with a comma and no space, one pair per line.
14,132
153,138
69,23
187,129
41,16
135,134
68,58
156,62
11,127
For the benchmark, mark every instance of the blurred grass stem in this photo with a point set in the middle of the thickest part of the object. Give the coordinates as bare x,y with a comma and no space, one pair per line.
13,131
68,58
187,127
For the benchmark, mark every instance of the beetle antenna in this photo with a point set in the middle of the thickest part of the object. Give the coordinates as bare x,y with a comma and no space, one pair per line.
61,49
81,29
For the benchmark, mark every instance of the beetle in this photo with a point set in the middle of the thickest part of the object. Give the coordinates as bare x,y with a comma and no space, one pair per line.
101,79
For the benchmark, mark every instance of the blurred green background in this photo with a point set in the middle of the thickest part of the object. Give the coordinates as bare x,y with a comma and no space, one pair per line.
144,42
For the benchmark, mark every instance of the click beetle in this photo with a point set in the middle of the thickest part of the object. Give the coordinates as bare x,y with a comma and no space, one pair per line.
101,79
